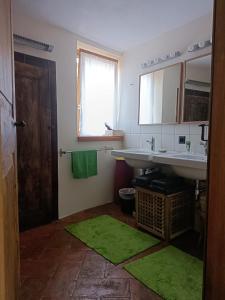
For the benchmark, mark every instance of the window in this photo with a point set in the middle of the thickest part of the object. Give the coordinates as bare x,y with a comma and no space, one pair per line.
97,93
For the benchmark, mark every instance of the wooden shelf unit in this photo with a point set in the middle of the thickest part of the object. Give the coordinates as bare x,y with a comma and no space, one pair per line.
165,216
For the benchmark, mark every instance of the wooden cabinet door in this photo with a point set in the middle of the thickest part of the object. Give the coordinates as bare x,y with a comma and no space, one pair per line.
9,258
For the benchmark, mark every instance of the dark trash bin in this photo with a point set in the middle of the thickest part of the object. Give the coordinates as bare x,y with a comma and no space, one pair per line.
127,196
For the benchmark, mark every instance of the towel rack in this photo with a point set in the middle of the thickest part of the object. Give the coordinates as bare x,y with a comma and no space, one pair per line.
62,152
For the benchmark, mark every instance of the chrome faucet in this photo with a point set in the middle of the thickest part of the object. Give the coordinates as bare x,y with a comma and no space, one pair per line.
151,143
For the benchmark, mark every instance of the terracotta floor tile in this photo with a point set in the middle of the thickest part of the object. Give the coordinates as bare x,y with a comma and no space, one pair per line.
60,239
57,254
38,268
31,252
85,298
61,286
63,282
113,271
140,292
77,245
93,266
32,288
56,298
102,288
75,256
106,298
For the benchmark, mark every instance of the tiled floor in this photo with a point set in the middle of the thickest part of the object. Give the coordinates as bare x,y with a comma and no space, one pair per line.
55,265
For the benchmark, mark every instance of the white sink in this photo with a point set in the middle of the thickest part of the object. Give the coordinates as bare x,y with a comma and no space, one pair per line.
188,165
136,158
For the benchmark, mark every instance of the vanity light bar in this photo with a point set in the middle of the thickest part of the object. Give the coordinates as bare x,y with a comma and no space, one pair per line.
174,54
200,45
161,59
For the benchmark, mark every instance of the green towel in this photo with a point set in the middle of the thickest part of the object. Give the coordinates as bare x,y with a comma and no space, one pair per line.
84,163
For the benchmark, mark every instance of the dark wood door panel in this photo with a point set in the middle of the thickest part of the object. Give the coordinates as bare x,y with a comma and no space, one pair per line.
36,144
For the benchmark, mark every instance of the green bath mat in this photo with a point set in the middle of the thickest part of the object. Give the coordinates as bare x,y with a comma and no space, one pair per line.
114,240
171,273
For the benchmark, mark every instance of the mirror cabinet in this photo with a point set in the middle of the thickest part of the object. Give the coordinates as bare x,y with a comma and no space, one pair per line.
176,94
196,91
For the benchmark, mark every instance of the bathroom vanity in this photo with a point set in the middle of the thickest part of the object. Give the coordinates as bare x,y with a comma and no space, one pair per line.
187,165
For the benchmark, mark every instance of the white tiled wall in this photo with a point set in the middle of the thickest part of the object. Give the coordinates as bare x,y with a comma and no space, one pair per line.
166,137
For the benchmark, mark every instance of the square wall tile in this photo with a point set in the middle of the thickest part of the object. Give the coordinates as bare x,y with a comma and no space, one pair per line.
168,129
135,128
125,126
182,129
196,147
132,141
151,129
195,129
168,142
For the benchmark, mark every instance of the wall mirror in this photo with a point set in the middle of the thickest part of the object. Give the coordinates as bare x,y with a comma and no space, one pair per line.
197,84
159,95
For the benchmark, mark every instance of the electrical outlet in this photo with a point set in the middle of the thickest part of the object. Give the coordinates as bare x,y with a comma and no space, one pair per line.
182,139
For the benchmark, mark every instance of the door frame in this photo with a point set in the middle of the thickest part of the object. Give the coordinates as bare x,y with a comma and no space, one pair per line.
214,273
51,67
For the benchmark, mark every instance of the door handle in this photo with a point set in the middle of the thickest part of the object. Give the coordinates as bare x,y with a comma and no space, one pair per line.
20,124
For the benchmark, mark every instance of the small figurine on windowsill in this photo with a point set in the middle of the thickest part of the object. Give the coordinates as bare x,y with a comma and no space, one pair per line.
109,131
107,126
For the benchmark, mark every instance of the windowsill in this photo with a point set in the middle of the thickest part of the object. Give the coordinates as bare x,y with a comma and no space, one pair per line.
100,138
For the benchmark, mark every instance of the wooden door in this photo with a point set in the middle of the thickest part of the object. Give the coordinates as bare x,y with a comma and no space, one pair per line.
215,253
9,256
36,142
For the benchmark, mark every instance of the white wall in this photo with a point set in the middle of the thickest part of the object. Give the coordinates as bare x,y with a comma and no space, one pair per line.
74,194
166,135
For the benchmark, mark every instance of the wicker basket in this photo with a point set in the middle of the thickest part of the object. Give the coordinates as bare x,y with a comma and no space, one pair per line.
166,216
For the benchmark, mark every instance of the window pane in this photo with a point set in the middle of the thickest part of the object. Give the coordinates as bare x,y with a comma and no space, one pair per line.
98,92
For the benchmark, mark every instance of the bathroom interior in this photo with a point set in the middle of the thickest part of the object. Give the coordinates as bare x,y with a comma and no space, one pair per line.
112,109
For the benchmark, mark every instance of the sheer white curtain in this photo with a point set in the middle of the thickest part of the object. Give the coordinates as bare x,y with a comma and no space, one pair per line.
98,91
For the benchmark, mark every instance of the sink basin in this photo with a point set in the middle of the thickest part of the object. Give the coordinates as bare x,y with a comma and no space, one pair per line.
187,165
136,158
196,157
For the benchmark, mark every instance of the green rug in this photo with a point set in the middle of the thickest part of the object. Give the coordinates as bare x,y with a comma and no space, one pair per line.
114,240
171,273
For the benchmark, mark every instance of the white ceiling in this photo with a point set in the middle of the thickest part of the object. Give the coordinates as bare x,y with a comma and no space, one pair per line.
116,24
